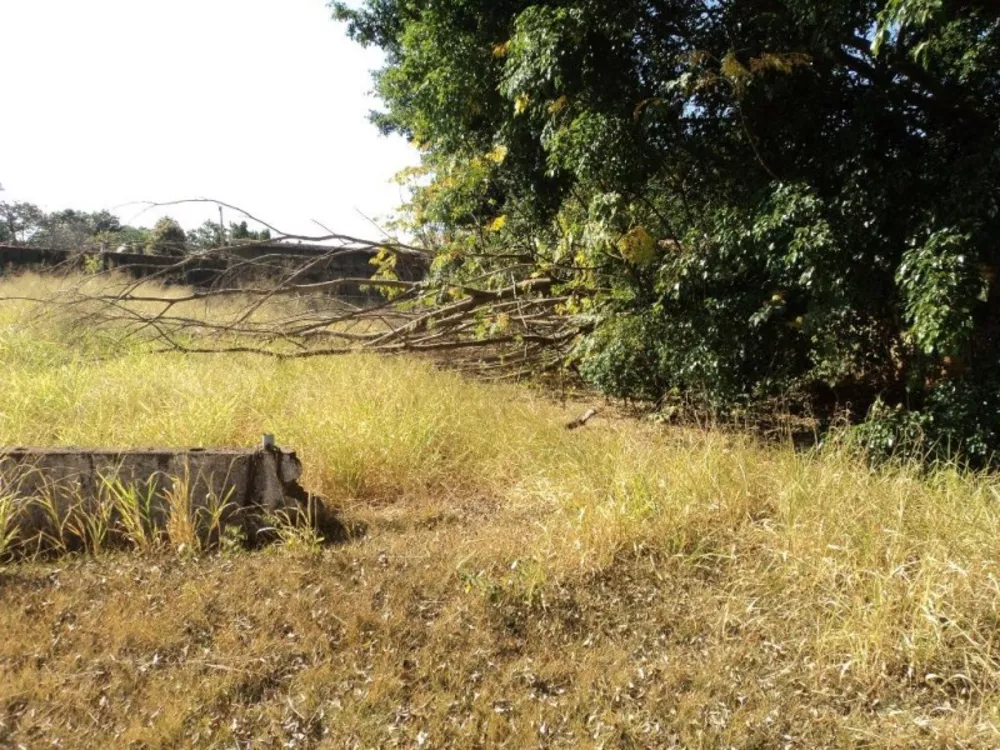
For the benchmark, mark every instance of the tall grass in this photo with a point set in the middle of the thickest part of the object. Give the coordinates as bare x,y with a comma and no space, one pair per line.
61,518
135,505
8,517
872,582
373,429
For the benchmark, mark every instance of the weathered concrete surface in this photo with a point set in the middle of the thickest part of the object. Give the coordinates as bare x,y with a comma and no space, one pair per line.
248,488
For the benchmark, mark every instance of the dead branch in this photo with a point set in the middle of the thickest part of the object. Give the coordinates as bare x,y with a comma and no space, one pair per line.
497,321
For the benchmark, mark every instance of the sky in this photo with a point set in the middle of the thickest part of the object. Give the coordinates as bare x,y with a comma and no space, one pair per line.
259,103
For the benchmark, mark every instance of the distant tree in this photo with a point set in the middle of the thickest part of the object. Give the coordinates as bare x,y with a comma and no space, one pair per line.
76,230
26,224
19,222
105,221
241,233
129,239
166,238
206,237
212,235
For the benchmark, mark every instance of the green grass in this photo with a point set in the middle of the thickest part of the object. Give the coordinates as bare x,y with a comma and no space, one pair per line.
623,585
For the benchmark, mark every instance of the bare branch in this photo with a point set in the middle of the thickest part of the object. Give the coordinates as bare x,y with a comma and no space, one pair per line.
493,320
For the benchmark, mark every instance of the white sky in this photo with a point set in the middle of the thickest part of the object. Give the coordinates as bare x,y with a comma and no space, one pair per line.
258,103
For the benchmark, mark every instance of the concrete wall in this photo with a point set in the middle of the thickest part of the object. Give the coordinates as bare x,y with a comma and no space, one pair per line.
45,490
239,266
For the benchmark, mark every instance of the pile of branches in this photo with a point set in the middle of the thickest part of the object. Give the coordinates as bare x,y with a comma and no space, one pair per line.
498,325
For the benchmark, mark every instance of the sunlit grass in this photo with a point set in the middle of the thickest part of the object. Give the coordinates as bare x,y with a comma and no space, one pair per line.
801,582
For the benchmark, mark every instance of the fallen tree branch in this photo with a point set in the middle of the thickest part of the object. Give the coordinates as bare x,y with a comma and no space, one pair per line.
493,319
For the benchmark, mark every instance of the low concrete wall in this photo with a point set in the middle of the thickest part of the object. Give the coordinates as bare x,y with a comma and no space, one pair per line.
234,267
46,490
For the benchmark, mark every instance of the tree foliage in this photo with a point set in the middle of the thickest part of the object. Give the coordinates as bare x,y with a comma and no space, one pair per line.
26,224
745,197
70,229
19,222
74,230
167,238
212,234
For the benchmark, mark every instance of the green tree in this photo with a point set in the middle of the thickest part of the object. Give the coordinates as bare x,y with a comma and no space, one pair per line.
242,233
167,238
76,230
19,222
208,236
127,239
211,235
746,197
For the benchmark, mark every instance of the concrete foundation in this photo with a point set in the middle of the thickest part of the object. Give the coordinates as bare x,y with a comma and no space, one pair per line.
45,492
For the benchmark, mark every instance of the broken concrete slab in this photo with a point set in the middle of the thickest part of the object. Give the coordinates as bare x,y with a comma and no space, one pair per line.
42,489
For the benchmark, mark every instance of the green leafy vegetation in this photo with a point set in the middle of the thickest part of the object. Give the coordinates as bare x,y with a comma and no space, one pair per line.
212,234
745,199
167,238
25,224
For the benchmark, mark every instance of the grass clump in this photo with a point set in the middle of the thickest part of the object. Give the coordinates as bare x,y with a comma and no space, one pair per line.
519,585
53,518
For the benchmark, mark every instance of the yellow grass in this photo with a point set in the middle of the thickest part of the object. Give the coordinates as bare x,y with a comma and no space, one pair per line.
518,585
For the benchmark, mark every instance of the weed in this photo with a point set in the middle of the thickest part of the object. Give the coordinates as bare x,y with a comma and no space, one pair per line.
8,520
518,585
134,506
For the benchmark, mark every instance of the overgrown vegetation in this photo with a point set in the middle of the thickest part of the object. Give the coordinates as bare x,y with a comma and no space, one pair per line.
746,199
518,584
25,224
122,516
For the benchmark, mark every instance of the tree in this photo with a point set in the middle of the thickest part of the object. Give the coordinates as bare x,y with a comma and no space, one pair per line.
211,235
208,236
167,238
76,230
747,198
19,222
69,229
128,239
242,233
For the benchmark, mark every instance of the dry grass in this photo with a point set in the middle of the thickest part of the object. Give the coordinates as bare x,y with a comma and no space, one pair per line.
519,585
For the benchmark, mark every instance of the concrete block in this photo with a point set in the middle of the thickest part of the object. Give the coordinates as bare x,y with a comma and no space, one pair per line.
42,489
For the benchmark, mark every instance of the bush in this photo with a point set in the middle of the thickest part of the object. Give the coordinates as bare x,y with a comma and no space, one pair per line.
167,238
959,422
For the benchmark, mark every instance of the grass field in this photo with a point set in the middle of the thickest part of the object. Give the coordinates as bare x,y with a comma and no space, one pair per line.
518,585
